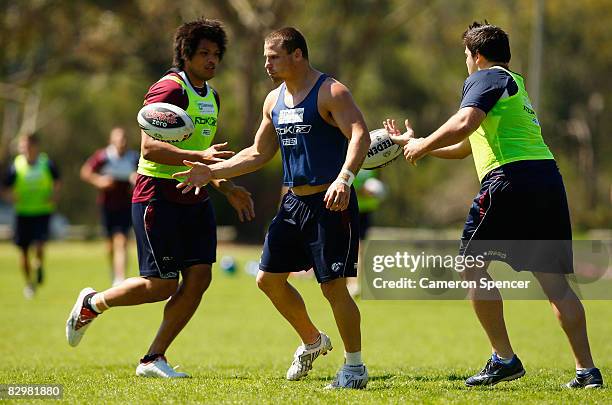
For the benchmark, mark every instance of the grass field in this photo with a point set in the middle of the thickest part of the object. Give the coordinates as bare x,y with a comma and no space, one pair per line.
237,348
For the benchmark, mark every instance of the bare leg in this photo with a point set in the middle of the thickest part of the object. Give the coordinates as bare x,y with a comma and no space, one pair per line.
289,303
111,254
346,313
182,306
119,255
25,264
569,311
40,255
139,290
489,308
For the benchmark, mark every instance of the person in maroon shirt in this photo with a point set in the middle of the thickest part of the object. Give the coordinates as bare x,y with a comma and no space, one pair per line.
175,233
112,171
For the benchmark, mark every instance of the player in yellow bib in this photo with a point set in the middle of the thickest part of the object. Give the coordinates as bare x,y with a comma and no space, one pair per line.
32,184
175,233
521,207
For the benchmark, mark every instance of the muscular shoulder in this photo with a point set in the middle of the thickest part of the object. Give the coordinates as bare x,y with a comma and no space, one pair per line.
333,92
167,91
270,101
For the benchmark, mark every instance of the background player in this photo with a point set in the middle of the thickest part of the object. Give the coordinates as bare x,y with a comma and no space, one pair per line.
33,186
112,171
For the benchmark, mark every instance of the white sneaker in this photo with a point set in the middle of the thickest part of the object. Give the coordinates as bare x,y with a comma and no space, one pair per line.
303,358
28,291
159,368
350,377
79,319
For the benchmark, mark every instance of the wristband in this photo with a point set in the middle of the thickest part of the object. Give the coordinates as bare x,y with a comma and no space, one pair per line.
349,174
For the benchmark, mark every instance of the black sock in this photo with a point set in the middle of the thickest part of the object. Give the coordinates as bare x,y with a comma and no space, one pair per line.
87,302
150,357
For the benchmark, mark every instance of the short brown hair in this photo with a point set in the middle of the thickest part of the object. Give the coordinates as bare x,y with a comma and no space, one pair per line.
488,40
188,37
291,39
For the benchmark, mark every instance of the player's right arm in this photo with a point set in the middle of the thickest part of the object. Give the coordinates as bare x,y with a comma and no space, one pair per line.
168,154
168,91
247,160
459,150
90,174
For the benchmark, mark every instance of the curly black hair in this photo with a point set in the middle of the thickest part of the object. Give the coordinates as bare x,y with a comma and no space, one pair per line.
188,37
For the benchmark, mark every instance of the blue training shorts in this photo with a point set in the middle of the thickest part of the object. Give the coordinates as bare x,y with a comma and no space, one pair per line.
172,237
304,234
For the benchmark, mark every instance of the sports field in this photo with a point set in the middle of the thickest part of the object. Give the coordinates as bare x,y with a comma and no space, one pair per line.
237,348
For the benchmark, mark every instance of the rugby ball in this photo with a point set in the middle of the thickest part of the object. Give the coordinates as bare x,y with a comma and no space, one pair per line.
165,122
382,150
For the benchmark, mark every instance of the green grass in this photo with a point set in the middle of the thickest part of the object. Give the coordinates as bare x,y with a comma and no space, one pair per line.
237,347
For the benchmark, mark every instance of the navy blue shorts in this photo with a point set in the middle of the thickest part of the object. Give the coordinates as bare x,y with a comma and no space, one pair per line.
172,237
116,221
304,234
29,229
521,216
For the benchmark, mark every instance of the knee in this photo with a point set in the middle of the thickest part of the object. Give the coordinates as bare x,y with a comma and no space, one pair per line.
198,281
334,290
265,283
162,289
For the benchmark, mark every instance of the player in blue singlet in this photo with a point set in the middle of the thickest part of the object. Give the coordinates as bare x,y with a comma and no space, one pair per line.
323,141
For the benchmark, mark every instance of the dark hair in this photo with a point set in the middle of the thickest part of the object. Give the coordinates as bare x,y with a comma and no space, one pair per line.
291,39
188,37
488,40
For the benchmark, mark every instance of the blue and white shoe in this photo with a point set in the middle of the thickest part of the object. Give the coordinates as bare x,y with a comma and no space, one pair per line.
496,371
590,379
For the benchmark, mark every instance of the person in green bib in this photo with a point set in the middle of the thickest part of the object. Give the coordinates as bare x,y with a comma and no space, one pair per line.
175,232
521,210
33,186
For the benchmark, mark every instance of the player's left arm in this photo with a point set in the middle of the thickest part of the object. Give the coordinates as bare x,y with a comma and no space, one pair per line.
338,102
237,196
454,131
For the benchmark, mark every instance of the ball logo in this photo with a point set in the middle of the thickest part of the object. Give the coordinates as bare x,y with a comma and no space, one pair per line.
336,267
380,147
163,119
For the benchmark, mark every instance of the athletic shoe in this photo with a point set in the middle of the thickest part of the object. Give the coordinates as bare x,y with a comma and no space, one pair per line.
29,291
304,356
496,371
592,379
159,368
80,318
355,377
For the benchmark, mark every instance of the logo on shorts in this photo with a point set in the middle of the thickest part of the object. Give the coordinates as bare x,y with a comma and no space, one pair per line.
336,267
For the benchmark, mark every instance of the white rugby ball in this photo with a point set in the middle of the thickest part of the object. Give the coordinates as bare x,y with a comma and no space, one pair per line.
382,150
165,122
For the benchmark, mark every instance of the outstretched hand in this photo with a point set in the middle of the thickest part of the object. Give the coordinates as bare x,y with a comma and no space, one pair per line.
396,135
217,153
196,177
413,150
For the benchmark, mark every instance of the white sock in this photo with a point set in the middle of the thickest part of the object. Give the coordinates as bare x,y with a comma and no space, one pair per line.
98,303
353,359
